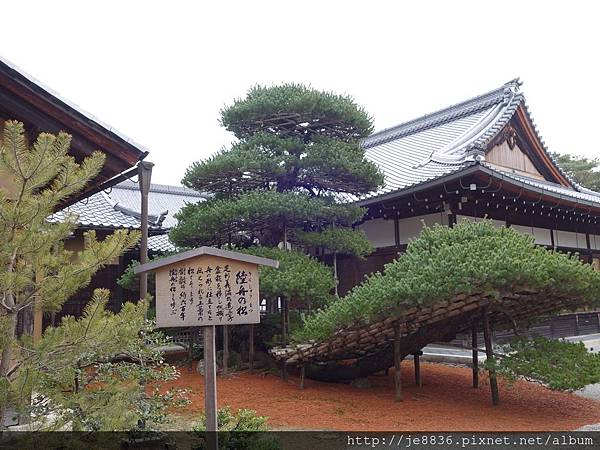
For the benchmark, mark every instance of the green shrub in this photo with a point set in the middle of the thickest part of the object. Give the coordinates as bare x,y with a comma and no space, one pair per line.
243,430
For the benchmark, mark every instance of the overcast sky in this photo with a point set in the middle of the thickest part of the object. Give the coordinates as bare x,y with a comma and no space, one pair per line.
160,72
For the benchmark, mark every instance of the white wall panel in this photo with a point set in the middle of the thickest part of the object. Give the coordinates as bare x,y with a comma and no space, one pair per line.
542,235
569,239
411,227
380,232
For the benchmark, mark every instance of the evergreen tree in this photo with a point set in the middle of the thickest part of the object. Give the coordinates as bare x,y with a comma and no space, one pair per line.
583,170
297,157
39,273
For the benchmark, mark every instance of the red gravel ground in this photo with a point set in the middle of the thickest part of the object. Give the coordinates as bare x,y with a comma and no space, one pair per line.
446,402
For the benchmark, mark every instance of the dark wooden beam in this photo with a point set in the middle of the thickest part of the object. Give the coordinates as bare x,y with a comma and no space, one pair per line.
28,114
396,230
38,98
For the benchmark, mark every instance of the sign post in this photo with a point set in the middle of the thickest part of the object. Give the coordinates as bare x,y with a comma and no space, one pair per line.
207,287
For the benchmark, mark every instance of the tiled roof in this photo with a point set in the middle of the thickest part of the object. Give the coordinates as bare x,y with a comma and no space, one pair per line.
98,211
451,140
119,208
162,198
581,193
160,243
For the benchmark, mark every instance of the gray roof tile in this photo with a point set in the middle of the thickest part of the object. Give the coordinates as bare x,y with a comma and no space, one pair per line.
119,208
448,141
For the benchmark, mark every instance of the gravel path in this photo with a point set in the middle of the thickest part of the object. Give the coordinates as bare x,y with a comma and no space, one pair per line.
591,391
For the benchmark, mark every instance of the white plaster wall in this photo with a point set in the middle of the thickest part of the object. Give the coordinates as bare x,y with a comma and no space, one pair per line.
380,232
569,239
542,235
411,227
595,241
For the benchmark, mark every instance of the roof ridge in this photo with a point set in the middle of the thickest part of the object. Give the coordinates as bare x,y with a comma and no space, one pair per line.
447,114
160,188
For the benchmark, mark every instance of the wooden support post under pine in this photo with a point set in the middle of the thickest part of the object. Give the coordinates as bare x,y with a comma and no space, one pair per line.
397,363
283,307
302,373
489,351
475,354
417,361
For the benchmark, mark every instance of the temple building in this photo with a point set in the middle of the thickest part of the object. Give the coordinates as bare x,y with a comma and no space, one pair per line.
480,158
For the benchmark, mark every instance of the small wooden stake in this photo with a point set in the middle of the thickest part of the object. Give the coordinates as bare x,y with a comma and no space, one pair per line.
251,346
210,387
416,357
397,361
225,350
475,363
489,351
284,371
302,371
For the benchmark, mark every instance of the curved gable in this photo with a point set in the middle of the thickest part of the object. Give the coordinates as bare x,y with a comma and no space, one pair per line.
518,148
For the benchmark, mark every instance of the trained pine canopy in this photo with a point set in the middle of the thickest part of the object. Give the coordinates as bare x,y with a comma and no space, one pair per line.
298,153
471,259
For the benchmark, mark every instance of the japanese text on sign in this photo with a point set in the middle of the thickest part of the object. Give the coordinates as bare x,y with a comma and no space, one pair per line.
207,290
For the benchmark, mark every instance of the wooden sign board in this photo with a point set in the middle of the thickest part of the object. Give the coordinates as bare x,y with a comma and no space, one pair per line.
207,290
207,286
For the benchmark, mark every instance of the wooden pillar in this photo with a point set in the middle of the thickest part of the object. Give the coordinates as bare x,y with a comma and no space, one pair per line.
251,346
475,360
225,350
287,320
416,358
144,176
302,372
284,372
282,308
397,361
489,351
210,387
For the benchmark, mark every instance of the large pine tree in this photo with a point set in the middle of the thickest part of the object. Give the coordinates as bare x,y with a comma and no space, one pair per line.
297,157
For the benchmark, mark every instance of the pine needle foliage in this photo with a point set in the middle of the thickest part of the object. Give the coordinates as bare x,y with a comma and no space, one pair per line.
559,365
99,372
296,110
299,277
444,262
38,271
298,154
584,170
